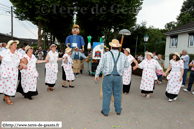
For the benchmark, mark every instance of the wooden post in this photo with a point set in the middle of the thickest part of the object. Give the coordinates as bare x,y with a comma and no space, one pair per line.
121,42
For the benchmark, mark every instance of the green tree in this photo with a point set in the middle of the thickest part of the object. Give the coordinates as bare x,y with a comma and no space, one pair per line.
187,13
102,16
55,23
184,19
171,25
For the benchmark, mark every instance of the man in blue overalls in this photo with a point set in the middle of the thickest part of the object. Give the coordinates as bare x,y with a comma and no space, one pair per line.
112,65
76,61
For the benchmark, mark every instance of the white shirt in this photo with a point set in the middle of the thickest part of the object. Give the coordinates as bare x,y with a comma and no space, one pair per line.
140,58
106,63
156,57
21,51
3,48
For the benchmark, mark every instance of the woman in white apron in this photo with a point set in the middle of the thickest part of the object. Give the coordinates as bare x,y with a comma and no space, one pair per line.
29,76
128,71
51,68
148,75
175,77
9,69
67,65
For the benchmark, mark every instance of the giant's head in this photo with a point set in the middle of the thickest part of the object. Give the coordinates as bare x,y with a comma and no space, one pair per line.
75,29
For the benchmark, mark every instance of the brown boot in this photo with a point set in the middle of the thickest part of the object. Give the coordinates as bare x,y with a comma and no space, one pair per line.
9,101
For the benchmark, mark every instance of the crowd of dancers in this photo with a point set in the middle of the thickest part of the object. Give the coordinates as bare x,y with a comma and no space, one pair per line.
21,65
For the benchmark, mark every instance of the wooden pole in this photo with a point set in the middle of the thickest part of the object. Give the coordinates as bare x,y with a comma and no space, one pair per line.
121,42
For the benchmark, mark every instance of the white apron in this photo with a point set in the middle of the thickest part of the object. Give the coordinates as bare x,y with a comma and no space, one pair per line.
148,75
128,71
51,68
174,84
68,67
9,72
29,75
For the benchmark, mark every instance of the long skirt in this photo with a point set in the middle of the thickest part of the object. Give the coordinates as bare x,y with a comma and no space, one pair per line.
126,88
28,94
50,85
147,92
76,66
64,75
171,96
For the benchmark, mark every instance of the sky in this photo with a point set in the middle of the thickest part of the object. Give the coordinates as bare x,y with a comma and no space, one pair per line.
155,12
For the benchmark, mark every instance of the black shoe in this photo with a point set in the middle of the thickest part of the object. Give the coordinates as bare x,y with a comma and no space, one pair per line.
71,86
104,114
119,113
30,98
64,86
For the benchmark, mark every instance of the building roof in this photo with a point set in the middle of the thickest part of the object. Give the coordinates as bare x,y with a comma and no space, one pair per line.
187,28
6,38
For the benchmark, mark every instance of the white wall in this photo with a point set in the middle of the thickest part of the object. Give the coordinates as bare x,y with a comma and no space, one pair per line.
183,43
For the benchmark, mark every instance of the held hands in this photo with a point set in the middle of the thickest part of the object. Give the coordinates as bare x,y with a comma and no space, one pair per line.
135,67
164,74
46,61
24,66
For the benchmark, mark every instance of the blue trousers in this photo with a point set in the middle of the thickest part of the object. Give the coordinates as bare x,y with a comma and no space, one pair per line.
159,78
191,79
184,76
112,83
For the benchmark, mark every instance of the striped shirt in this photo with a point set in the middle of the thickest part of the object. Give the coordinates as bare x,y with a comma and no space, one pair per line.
106,63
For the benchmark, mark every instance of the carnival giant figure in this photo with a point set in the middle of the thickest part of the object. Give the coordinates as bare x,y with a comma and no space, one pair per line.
75,40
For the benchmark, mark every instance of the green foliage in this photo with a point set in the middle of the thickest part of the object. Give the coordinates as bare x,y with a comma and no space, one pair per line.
156,42
59,24
187,13
184,19
97,24
171,25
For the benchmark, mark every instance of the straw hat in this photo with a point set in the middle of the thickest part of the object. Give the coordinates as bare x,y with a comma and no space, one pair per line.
68,50
11,42
127,49
76,48
149,53
53,45
27,48
76,26
178,54
115,43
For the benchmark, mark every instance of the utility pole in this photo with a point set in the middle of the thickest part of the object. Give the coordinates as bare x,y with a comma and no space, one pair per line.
11,22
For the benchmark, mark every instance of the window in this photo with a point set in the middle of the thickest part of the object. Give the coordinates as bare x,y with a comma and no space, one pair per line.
174,41
191,40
